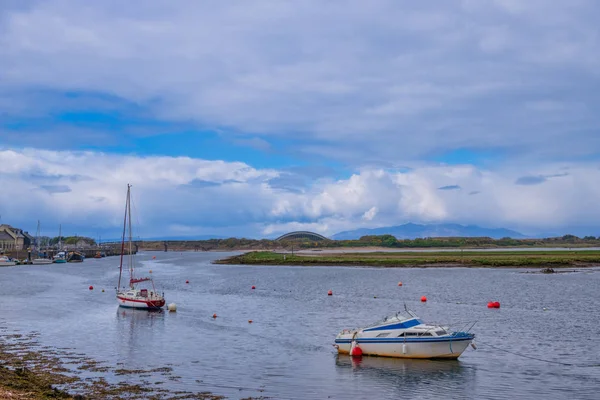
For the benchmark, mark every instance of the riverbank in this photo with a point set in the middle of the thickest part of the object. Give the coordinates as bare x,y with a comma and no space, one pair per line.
505,259
31,372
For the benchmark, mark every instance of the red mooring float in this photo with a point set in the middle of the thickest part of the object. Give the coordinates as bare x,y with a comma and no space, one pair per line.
253,287
356,351
329,293
91,288
423,299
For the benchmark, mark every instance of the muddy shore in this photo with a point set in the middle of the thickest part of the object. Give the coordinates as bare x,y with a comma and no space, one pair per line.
32,372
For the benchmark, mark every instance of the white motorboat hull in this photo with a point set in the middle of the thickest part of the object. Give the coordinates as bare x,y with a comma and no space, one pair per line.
41,261
7,263
424,348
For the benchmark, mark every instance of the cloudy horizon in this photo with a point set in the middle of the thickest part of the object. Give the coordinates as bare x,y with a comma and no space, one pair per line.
258,118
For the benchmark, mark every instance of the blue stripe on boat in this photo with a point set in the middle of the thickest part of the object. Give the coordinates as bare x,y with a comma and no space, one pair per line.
408,340
402,325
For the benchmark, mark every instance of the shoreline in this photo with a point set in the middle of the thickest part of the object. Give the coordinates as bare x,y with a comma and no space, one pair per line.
29,372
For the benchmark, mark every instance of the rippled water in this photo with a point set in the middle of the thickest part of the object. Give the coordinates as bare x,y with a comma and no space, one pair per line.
287,353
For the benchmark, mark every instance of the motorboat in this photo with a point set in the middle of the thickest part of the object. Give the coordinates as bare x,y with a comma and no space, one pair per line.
6,262
404,335
75,256
41,261
60,258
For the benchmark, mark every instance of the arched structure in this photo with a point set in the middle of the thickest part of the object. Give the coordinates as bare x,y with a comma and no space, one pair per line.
302,235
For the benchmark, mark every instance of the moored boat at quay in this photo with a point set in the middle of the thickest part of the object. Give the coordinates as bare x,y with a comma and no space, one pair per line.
6,262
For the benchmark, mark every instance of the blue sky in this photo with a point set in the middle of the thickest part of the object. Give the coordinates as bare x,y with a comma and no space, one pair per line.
256,118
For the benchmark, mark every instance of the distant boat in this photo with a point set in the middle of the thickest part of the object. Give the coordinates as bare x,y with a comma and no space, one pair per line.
39,260
6,262
75,256
61,256
135,296
404,336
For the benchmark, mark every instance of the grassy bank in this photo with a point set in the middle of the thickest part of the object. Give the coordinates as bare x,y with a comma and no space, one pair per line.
533,259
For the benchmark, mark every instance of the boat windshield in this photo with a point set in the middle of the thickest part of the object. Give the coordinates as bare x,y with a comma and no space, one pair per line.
398,317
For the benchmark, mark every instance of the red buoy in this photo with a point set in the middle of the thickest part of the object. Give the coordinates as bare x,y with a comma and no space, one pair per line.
91,288
490,304
154,257
253,287
330,293
496,304
249,321
356,351
423,299
214,315
399,283
187,281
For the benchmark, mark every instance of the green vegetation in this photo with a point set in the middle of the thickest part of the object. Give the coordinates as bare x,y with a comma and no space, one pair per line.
388,241
426,259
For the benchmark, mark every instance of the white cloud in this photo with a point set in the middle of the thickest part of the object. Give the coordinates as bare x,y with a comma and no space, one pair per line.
370,213
85,192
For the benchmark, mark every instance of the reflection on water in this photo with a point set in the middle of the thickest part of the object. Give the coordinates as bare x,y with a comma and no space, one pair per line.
287,353
406,376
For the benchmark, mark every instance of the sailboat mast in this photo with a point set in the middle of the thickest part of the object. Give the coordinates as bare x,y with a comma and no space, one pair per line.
123,238
130,238
37,238
59,235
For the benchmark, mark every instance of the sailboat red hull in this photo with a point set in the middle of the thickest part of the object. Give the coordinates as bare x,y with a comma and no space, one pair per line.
135,303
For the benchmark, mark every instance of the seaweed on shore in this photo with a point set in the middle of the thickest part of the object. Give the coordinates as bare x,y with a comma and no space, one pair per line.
31,372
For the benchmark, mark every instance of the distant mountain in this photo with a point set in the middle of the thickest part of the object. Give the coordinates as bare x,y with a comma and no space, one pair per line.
412,231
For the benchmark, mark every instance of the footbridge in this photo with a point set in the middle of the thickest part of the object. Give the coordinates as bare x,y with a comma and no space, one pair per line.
302,235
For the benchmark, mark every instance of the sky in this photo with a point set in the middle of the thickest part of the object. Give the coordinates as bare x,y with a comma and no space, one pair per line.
256,118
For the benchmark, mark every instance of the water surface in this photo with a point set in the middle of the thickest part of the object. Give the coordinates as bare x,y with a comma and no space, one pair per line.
287,353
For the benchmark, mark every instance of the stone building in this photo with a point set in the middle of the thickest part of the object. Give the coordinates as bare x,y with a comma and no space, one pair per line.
14,238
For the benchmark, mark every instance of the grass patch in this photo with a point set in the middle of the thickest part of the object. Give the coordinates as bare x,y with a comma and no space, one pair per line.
422,259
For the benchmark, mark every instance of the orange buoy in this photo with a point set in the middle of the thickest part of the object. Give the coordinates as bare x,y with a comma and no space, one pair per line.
330,293
249,321
91,288
423,299
187,281
399,283
253,287
214,315
150,271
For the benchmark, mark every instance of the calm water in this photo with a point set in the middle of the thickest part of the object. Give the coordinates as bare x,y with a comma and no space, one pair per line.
287,353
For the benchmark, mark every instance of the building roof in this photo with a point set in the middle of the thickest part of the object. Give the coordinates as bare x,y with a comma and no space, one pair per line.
5,236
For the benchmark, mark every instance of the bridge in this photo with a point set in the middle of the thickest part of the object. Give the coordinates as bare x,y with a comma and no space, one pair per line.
301,235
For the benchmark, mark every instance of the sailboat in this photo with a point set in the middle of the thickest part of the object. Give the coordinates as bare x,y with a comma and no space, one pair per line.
135,296
60,257
39,260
